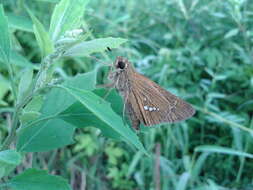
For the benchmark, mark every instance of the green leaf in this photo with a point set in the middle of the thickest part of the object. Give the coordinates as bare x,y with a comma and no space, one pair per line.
45,135
135,160
49,1
105,114
93,46
42,37
48,132
18,60
9,159
183,180
113,98
25,84
67,15
20,22
32,110
231,33
57,100
33,179
29,116
35,104
79,116
5,44
222,150
199,164
85,81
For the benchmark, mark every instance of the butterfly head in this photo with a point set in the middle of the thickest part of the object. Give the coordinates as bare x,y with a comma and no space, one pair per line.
121,63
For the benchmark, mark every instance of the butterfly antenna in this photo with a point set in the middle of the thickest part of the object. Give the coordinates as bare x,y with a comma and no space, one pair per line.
98,60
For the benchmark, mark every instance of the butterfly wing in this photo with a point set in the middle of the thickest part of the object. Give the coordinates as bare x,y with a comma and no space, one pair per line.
153,105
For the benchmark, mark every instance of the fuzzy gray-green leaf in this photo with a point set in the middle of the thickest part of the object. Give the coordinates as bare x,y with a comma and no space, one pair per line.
67,15
94,46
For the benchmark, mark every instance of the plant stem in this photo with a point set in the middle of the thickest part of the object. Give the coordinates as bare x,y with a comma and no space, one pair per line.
14,124
238,177
14,121
18,107
10,71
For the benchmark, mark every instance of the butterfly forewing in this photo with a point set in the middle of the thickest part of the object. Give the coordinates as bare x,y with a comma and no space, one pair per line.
154,105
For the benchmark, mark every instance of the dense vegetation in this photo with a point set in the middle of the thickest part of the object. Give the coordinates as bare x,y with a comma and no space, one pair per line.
200,50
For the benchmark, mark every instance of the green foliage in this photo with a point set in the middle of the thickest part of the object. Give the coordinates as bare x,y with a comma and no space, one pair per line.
67,15
103,112
42,37
18,60
9,159
4,39
199,50
92,46
86,144
218,149
45,136
22,23
25,84
40,104
33,179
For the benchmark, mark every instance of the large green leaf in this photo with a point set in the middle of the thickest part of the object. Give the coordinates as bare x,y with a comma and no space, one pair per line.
57,100
9,159
113,97
67,15
33,179
4,36
105,114
42,37
45,135
79,116
47,131
93,46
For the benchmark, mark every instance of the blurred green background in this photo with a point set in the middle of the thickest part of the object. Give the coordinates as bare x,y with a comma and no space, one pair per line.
200,50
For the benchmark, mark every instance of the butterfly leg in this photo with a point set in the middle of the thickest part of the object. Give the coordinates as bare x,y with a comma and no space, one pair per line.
108,85
136,124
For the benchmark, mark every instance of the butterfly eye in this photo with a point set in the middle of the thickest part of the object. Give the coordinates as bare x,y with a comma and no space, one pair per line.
121,64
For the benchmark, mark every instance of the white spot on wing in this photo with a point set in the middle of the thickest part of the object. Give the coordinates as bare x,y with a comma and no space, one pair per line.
150,109
145,107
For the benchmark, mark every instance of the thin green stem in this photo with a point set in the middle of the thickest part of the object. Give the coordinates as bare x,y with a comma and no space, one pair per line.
13,88
11,135
238,177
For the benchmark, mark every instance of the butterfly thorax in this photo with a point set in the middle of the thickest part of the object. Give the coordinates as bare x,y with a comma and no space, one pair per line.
122,78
